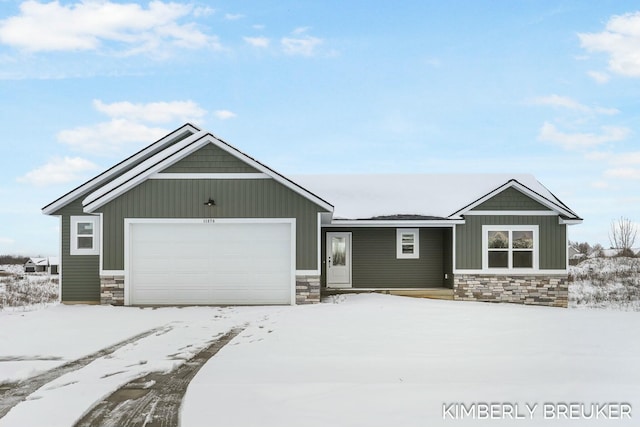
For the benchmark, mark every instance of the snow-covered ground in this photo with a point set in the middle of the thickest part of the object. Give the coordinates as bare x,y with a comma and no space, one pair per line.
358,360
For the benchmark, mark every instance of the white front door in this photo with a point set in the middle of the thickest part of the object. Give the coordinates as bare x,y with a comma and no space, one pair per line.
338,260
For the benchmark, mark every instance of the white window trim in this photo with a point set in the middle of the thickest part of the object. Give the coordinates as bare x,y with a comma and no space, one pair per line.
510,228
416,243
73,242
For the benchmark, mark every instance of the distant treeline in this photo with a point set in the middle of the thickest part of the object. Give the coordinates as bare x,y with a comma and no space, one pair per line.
13,259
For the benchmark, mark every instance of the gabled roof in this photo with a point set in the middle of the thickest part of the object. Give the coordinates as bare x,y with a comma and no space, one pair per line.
178,134
542,196
436,195
173,154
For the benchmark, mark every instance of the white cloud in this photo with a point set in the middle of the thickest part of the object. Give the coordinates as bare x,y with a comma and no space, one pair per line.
258,27
300,30
233,16
224,114
625,173
153,112
6,241
571,104
304,46
203,11
621,41
599,76
550,133
129,125
59,171
600,185
257,41
108,138
89,25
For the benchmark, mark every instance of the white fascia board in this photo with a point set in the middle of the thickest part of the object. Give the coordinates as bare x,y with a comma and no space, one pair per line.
393,223
514,272
513,213
171,155
105,176
138,174
522,188
563,221
209,176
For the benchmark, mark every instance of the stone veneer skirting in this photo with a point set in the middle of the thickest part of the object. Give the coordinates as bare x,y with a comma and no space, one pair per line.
521,289
307,289
112,290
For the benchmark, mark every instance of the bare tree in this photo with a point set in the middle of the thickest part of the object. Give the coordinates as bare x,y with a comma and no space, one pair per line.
622,236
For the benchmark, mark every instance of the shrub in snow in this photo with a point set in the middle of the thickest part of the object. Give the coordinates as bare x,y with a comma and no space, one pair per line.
605,283
18,290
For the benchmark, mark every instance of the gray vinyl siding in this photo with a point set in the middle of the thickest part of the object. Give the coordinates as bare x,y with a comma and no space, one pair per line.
80,273
375,265
552,235
210,158
234,198
510,200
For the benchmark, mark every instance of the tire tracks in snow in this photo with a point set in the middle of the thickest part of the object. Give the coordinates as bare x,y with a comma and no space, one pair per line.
153,400
12,394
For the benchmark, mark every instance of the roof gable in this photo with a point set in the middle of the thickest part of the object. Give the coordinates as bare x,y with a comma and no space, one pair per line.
540,194
173,154
510,199
120,168
210,159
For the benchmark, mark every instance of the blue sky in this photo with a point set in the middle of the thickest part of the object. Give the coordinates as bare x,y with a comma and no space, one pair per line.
541,87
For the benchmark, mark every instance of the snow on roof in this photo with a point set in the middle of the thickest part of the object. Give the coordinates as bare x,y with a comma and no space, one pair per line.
38,261
53,260
367,196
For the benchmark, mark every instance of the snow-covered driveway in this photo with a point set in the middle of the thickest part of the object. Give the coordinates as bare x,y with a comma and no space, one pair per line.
365,360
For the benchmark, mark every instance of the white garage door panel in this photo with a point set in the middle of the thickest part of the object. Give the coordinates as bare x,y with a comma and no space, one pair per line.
220,263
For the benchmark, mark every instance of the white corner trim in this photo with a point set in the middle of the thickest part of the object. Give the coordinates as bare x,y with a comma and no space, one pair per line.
513,213
319,244
60,261
161,175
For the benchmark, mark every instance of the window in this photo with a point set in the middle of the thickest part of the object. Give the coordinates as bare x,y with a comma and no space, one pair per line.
510,247
85,236
407,243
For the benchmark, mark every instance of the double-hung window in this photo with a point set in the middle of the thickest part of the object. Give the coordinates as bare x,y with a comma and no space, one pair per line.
407,243
85,236
510,247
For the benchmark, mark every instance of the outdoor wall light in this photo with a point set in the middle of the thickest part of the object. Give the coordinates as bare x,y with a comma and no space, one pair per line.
210,202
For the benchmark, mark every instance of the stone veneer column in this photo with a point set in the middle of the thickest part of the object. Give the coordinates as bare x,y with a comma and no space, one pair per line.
307,289
550,291
112,290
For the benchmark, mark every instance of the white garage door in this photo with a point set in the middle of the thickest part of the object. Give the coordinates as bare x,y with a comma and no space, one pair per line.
219,263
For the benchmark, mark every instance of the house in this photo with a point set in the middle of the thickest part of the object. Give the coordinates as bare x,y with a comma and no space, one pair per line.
53,265
41,265
35,265
191,219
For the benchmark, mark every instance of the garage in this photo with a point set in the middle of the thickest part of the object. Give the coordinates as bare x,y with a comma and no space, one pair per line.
221,261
